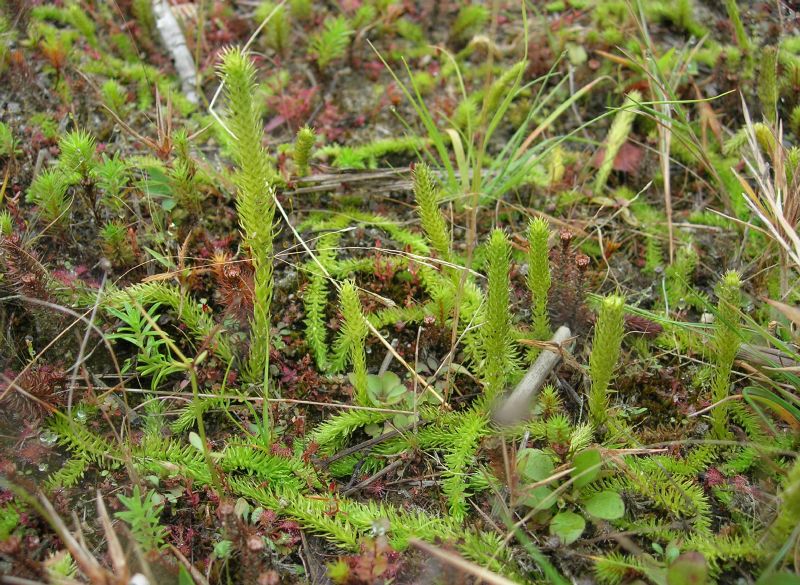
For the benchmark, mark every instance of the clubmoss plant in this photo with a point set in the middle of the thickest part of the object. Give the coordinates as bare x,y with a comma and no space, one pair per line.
77,154
116,245
497,326
331,43
794,121
254,200
301,9
617,135
112,175
354,333
788,517
427,196
6,223
60,567
608,333
142,515
143,13
9,145
539,276
726,344
49,192
768,83
114,96
278,29
470,18
680,276
736,19
302,150
460,455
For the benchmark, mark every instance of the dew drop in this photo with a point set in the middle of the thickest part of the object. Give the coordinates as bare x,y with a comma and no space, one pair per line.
48,438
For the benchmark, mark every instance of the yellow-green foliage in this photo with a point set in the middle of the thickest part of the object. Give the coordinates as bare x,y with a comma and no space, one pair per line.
733,13
254,198
114,96
302,149
617,135
115,243
788,518
331,43
470,18
503,86
608,332
77,154
497,327
277,30
460,455
768,83
726,344
539,276
6,223
794,121
354,331
427,195
49,192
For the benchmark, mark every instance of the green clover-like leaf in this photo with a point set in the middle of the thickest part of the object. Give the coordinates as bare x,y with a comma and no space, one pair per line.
568,526
534,464
606,505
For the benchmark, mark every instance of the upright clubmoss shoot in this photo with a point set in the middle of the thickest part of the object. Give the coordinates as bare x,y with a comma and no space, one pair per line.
331,42
768,83
49,192
539,276
606,344
115,243
254,200
497,326
726,344
6,223
354,331
433,222
114,96
302,150
112,176
77,154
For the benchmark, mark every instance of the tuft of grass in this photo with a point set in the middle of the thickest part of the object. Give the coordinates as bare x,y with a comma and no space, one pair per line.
617,135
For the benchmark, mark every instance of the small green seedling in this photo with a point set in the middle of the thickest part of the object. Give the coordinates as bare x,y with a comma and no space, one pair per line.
567,511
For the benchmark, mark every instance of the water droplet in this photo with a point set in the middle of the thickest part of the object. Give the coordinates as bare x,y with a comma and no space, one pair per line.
43,467
81,415
48,438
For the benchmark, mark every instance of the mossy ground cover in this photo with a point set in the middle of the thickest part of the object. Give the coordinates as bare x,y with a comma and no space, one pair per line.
270,321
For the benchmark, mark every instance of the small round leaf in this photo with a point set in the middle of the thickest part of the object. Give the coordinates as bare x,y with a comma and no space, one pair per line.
587,467
607,505
568,526
535,464
690,568
540,497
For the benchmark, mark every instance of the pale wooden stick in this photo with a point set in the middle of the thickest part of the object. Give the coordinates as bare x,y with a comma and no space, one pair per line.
175,42
517,406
